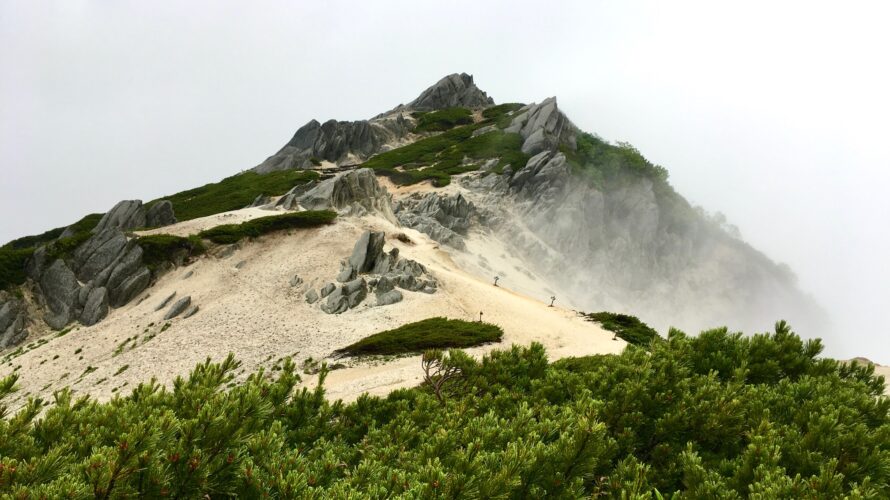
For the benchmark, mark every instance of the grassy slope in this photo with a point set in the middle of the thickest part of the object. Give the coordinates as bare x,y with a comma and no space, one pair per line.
233,193
432,333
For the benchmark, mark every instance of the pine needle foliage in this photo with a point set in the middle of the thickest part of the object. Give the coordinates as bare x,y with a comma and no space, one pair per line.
233,193
232,233
431,333
713,416
626,327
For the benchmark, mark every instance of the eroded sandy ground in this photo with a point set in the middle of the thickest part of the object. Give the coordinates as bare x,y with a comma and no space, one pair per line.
248,307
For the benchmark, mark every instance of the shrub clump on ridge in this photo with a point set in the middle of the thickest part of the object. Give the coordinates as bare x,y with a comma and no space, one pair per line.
160,248
443,119
231,233
432,333
626,327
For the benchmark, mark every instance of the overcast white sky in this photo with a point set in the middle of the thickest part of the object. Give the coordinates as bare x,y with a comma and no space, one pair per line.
774,113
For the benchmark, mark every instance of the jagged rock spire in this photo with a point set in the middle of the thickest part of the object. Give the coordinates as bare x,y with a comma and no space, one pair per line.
453,90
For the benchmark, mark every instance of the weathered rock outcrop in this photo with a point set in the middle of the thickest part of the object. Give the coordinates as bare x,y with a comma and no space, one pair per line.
384,272
160,214
13,321
104,271
132,214
95,308
60,293
353,193
339,142
543,127
443,218
455,90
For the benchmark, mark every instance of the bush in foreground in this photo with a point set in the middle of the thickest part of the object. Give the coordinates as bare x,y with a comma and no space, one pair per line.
714,416
432,333
231,233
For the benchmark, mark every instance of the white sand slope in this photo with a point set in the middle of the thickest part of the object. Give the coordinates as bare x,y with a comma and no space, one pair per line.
248,307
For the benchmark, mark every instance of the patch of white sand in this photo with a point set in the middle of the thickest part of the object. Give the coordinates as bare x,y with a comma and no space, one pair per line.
248,307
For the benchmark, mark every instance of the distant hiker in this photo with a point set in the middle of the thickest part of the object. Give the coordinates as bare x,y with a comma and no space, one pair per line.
480,315
552,300
496,278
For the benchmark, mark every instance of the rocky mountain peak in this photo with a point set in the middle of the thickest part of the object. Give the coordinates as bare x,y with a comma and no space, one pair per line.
543,127
452,91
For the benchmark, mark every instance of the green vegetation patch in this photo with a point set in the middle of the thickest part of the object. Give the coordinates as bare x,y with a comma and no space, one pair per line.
231,233
713,416
450,153
432,333
84,225
12,266
626,327
502,114
443,119
233,193
604,163
160,248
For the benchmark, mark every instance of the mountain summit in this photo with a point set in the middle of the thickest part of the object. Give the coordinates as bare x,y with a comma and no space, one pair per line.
455,90
354,227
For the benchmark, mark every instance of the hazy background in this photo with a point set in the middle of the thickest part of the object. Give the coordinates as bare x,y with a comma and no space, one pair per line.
774,113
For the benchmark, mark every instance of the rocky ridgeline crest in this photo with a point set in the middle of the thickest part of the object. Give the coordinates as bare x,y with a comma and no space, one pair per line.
455,90
371,270
351,142
356,192
543,127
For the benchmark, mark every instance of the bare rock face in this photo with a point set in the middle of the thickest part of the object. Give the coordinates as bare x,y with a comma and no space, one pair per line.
104,271
455,90
96,306
353,193
340,142
543,127
160,214
127,214
385,271
13,321
445,219
132,214
60,292
178,307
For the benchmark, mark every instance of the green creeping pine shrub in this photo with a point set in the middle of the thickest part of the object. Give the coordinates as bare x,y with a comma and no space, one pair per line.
443,119
628,328
602,162
502,114
690,419
160,248
231,233
450,153
432,333
12,266
84,225
233,193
